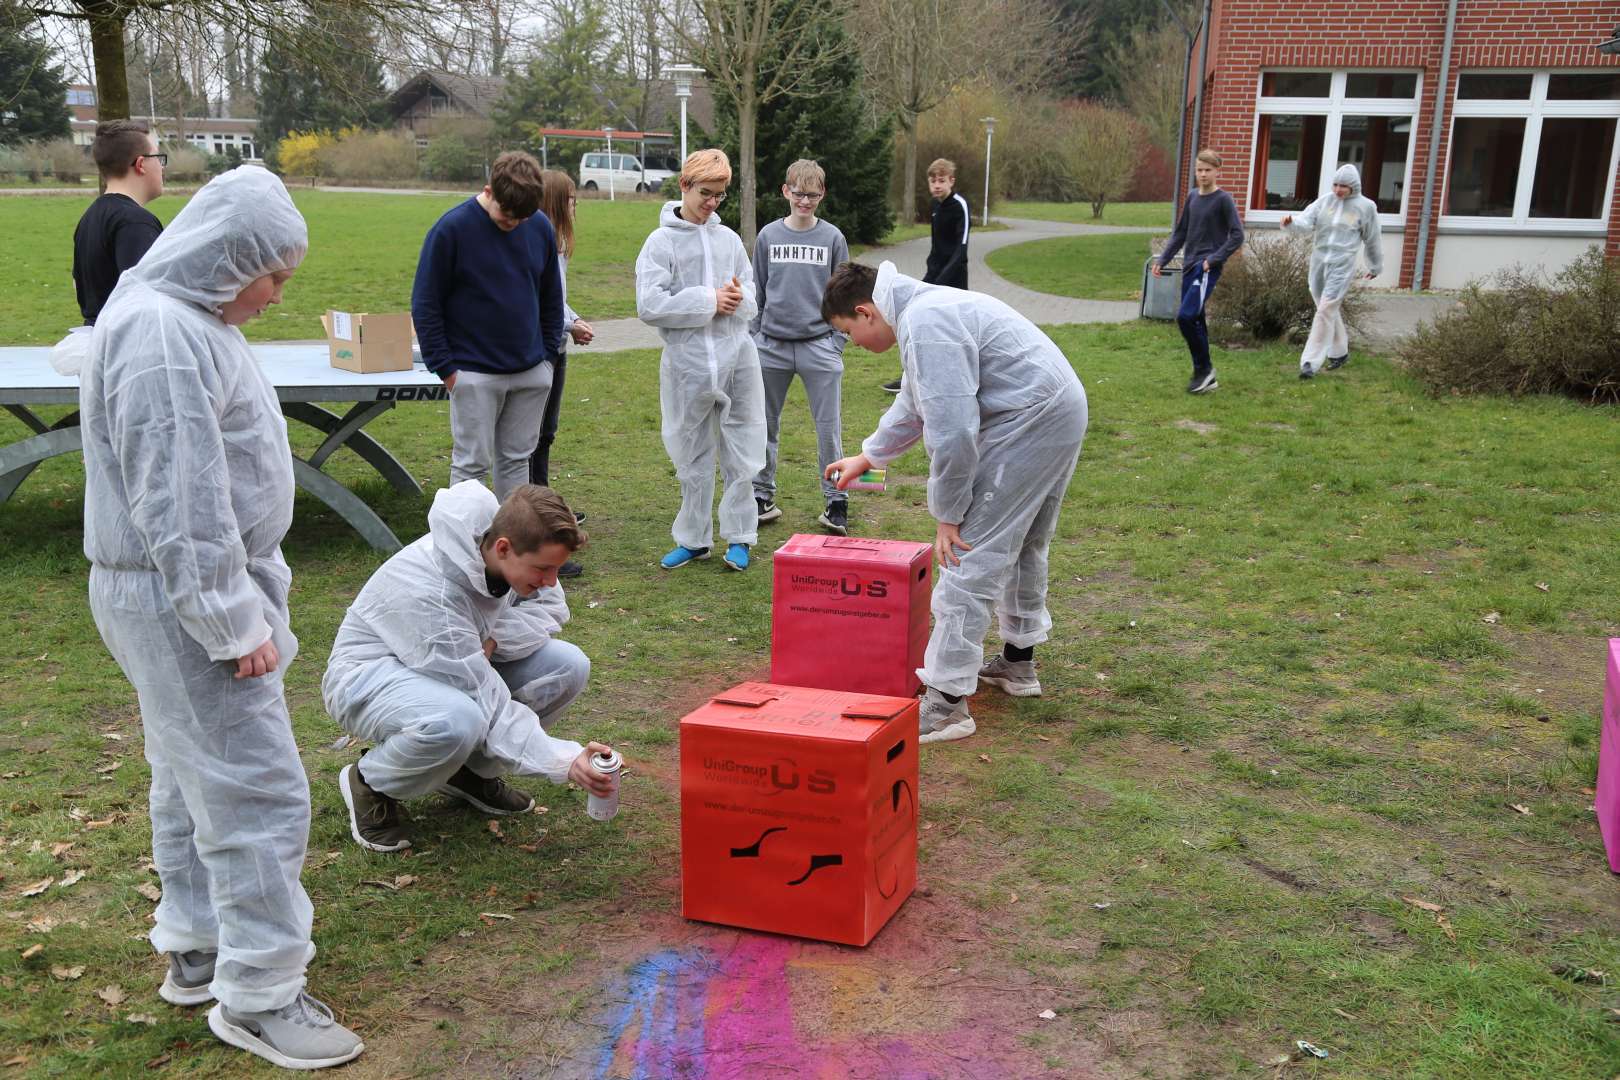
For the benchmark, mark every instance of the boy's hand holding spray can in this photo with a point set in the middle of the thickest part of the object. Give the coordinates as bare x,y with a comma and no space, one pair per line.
597,771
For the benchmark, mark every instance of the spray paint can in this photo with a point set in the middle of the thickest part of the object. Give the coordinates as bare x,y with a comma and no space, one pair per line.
599,807
870,480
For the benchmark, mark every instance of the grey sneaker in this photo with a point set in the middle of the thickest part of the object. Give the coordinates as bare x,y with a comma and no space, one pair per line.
302,1035
493,796
940,721
1017,677
376,821
188,978
1334,363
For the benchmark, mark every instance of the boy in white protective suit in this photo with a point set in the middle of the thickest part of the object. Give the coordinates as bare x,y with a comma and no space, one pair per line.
188,492
449,663
694,283
1341,223
1002,415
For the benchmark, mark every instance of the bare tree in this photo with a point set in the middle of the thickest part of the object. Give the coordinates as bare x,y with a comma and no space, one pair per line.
1148,68
916,51
108,21
757,51
1100,150
640,33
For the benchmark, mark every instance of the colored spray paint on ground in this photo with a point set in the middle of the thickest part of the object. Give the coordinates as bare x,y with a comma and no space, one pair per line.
770,1006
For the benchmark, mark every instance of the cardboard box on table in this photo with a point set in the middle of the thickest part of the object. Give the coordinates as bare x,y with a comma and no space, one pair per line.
850,613
1607,803
799,810
368,342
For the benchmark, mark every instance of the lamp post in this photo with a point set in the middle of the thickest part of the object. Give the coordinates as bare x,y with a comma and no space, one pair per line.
683,75
989,123
611,170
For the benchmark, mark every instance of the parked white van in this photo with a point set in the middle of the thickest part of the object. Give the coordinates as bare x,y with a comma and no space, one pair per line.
625,171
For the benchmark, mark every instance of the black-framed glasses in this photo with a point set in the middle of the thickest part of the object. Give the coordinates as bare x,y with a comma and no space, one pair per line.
806,196
162,159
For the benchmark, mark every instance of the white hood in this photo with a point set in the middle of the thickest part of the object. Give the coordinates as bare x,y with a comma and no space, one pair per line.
460,517
1348,176
241,226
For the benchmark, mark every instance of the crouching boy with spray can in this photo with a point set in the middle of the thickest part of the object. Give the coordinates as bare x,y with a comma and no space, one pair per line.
449,663
1002,415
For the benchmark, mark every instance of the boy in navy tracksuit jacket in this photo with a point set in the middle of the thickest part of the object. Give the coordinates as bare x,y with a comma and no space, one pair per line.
1212,232
487,304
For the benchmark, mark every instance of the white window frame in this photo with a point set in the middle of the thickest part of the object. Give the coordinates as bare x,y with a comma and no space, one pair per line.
1335,107
1533,109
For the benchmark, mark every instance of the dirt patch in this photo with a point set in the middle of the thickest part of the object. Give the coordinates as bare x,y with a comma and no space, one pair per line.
1196,425
1379,931
1565,672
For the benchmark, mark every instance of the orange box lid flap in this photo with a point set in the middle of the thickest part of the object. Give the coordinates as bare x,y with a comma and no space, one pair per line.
746,696
876,710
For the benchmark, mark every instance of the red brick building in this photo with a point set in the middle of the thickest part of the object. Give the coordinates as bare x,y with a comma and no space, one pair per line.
1525,161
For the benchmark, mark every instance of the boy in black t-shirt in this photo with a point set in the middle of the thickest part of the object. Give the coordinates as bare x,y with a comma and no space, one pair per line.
117,229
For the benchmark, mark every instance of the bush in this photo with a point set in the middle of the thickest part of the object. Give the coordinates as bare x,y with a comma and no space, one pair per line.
300,153
1101,149
68,162
452,158
371,155
670,188
185,163
27,160
1265,295
1521,334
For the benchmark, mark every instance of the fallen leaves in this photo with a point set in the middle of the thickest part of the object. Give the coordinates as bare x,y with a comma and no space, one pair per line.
72,877
141,1018
489,917
68,974
1047,1014
109,768
495,830
150,891
32,951
37,887
1493,618
985,758
1521,808
401,881
1437,910
42,925
1580,974
61,848
1542,585
112,994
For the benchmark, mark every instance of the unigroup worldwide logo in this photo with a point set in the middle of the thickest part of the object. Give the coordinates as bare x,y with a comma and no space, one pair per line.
850,585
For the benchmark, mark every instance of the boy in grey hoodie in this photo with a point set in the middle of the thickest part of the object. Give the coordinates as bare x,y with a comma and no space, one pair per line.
793,260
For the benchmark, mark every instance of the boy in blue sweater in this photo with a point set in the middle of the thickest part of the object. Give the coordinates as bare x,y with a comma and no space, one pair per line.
487,305
1212,232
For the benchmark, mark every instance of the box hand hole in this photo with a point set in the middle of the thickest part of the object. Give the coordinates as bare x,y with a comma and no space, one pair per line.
896,750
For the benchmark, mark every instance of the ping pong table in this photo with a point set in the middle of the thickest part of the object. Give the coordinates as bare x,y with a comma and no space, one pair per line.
306,383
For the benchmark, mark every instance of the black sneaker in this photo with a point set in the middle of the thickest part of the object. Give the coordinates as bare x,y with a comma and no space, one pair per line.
376,821
768,510
493,796
579,517
835,519
1306,373
570,569
893,386
1202,384
1334,363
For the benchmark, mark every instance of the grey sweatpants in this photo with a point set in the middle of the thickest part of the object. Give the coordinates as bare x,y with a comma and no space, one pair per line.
495,425
819,362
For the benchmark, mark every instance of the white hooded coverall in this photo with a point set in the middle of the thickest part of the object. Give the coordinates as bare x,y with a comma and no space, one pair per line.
1339,228
188,492
408,671
710,388
1002,415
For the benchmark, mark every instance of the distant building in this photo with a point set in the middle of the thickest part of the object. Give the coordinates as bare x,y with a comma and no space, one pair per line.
205,134
1524,153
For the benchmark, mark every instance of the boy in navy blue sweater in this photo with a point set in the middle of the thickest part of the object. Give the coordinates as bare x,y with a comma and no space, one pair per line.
487,303
1212,232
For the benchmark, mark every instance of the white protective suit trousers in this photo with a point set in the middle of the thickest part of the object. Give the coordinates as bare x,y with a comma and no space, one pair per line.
701,417
495,425
1330,283
423,730
1017,495
819,362
229,799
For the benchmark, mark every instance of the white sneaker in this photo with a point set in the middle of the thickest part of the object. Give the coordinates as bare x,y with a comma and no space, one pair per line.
301,1035
188,978
1016,677
940,721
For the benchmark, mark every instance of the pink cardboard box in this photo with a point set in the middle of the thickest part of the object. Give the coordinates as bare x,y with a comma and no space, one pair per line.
1608,777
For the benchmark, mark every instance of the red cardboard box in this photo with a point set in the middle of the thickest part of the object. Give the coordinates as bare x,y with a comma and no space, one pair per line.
1607,802
850,613
799,811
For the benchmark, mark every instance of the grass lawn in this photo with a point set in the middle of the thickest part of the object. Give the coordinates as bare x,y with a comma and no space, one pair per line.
363,253
1151,214
1314,762
1100,267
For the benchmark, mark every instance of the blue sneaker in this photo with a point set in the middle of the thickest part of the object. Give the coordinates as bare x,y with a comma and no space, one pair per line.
737,556
681,556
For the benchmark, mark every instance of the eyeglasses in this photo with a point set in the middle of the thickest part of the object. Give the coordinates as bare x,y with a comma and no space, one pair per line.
162,159
807,196
718,196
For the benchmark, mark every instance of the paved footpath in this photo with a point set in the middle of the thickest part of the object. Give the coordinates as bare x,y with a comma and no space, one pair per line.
1397,313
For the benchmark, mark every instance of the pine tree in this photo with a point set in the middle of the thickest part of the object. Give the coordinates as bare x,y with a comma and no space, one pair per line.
833,128
326,79
33,92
